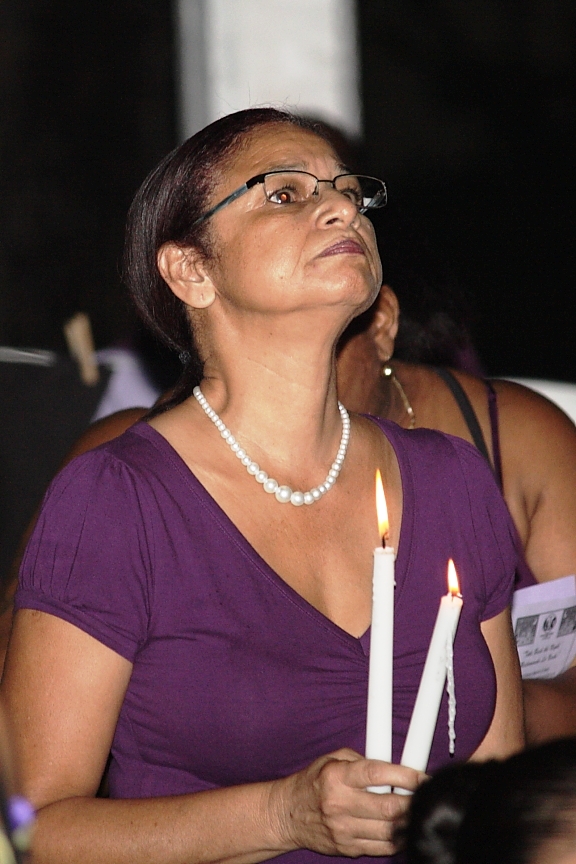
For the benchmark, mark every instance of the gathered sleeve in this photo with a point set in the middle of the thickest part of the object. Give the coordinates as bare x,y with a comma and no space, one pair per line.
494,534
90,558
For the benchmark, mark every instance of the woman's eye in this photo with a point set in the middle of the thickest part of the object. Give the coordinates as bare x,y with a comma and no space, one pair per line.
285,195
355,195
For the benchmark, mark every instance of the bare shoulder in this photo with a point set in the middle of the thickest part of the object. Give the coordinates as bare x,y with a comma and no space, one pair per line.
435,406
530,416
538,444
105,430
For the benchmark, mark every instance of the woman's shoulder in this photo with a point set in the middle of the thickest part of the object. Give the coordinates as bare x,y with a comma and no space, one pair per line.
128,461
431,446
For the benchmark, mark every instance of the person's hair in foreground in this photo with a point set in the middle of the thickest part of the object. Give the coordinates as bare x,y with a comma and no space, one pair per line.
518,811
167,208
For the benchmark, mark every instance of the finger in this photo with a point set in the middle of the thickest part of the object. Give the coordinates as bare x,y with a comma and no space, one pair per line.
388,807
355,848
372,772
369,833
346,754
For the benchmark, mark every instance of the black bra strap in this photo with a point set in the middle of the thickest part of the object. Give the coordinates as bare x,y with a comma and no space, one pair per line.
466,408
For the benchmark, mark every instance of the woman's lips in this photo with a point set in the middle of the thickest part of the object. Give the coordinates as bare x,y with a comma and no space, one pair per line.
344,247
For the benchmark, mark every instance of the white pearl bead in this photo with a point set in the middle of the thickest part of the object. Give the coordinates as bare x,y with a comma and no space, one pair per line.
283,494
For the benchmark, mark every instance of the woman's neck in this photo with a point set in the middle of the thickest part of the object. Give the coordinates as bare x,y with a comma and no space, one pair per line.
278,397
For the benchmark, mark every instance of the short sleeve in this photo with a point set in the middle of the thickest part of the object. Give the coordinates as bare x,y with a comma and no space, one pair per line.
495,536
89,560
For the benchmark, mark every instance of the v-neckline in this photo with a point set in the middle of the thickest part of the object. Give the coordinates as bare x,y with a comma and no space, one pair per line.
248,550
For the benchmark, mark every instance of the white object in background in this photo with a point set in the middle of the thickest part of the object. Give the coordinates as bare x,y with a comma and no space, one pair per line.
28,356
544,622
559,392
129,385
301,54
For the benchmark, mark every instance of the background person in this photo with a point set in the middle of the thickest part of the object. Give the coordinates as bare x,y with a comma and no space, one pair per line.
528,441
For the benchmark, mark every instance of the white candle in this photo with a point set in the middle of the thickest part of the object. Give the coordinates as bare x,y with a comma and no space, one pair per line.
425,714
379,714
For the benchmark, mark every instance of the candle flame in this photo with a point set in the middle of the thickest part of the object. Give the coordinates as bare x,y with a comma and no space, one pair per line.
381,508
453,585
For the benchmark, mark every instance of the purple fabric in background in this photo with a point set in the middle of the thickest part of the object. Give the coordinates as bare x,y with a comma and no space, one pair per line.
236,678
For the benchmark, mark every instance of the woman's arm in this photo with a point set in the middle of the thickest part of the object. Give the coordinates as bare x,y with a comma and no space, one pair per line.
538,443
550,707
539,458
63,691
506,732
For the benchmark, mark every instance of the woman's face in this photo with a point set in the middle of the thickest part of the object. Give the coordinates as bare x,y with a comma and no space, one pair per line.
283,258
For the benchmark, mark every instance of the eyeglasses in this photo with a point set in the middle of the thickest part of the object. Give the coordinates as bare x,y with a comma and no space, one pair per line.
296,187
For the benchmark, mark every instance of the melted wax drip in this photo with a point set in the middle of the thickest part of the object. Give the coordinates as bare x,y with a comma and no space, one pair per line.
451,694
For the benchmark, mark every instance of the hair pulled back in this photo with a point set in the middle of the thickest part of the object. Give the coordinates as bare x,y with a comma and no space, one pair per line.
171,198
497,812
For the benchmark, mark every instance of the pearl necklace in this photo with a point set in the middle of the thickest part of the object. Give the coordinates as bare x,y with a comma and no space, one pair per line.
283,494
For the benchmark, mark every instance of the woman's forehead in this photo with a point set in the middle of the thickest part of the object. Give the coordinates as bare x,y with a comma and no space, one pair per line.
282,145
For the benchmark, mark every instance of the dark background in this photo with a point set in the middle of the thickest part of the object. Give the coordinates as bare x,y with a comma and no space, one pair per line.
469,115
86,89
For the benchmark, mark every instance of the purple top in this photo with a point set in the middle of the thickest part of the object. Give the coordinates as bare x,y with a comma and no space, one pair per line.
236,677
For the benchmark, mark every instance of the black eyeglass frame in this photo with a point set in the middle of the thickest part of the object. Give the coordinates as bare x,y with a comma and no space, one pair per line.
260,178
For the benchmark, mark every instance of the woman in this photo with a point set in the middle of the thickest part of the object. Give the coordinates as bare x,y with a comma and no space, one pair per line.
518,811
213,636
529,442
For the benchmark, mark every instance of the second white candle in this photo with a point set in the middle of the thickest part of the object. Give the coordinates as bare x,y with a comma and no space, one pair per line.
425,714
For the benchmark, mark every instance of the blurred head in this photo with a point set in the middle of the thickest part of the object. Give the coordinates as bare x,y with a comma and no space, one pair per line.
519,811
166,215
16,814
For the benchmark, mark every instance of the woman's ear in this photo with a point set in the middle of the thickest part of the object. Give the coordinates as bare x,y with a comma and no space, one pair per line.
384,326
184,271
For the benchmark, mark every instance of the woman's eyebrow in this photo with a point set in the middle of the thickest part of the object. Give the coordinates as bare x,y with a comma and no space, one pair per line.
301,166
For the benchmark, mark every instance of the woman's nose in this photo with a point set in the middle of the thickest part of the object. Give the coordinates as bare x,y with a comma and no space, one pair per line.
335,206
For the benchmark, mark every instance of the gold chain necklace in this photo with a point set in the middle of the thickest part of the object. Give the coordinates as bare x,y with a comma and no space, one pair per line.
388,372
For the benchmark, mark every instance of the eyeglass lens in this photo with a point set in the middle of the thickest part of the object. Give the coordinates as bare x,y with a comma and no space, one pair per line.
293,187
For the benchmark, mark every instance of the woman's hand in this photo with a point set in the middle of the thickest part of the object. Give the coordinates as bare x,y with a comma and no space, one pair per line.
326,807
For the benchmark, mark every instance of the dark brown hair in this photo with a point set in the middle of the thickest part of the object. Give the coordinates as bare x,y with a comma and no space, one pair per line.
497,812
172,197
